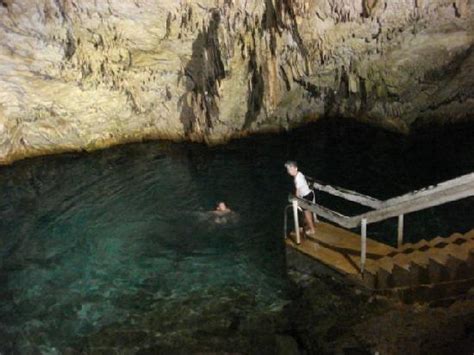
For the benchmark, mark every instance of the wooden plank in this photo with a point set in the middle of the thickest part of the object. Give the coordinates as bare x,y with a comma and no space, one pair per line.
432,196
465,180
400,231
363,244
296,221
349,241
339,249
348,195
417,203
333,216
325,256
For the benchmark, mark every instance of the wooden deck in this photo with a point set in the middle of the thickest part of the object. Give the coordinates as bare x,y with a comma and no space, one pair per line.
339,249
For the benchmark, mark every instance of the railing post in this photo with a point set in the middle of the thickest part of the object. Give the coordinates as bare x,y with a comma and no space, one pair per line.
363,244
400,231
315,217
294,202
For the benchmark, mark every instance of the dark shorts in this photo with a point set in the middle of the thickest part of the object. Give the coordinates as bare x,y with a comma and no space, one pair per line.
309,197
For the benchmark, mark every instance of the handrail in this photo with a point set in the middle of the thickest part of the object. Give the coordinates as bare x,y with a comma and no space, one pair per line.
418,203
285,221
333,216
467,179
435,195
348,194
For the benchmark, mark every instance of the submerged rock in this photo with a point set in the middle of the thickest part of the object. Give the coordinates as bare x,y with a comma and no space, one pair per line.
84,75
329,317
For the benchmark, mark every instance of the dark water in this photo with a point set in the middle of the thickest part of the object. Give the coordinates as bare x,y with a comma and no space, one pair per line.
89,241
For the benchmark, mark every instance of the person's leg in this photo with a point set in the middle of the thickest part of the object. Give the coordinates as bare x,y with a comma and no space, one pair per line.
308,215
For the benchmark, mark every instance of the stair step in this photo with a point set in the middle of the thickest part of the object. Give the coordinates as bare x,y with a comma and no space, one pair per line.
438,242
410,247
470,261
422,273
464,271
417,257
404,276
459,251
385,263
439,255
455,238
437,272
470,234
460,269
470,258
384,279
452,266
402,270
447,259
370,279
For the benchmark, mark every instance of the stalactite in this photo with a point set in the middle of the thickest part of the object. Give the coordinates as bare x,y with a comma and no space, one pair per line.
231,67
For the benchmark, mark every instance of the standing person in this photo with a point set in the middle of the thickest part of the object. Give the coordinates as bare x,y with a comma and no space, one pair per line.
302,191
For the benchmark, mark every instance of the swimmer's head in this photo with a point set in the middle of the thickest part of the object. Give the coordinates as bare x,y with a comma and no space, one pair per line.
221,206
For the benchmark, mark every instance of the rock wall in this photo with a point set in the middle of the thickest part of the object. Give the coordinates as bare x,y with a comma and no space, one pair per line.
83,74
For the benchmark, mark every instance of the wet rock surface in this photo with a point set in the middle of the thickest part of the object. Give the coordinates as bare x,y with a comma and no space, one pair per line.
325,317
78,75
355,322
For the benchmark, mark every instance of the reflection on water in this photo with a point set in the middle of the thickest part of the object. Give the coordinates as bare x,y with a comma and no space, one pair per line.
93,240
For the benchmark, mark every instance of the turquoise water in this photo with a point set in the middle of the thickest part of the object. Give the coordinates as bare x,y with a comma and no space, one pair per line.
97,240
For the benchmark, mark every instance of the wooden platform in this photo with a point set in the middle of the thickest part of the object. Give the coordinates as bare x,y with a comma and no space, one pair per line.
339,249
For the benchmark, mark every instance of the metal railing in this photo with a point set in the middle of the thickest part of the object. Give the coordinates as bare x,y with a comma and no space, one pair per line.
435,195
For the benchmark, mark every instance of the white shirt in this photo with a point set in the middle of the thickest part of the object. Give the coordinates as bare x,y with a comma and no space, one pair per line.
301,185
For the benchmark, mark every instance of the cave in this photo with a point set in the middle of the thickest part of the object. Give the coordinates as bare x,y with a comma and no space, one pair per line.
146,206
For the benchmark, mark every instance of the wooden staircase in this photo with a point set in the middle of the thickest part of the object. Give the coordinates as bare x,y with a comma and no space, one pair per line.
424,270
442,265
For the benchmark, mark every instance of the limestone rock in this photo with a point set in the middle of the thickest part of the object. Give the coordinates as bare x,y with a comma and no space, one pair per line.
81,75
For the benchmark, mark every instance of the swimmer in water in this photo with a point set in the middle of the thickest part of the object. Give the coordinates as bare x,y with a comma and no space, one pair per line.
222,213
222,209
